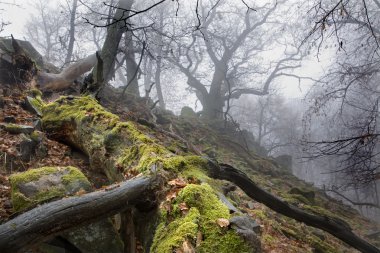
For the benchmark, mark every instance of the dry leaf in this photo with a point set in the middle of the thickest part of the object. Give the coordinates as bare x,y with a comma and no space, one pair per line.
183,207
178,182
171,195
187,247
223,222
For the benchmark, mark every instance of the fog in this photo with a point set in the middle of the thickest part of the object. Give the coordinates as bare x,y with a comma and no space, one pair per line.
302,78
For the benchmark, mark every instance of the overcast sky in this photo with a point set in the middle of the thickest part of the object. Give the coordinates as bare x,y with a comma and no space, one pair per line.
18,15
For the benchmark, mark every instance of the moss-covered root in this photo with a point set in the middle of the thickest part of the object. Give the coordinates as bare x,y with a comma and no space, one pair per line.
198,227
39,185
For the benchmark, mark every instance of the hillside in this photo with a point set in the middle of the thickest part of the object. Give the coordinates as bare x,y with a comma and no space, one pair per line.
52,148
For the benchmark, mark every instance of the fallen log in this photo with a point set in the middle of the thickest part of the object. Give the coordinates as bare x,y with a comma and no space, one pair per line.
35,226
336,227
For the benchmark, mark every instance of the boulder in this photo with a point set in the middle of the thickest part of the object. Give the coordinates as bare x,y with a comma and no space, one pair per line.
247,228
37,186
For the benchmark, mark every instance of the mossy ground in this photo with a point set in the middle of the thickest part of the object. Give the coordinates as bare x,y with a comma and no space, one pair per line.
201,219
144,154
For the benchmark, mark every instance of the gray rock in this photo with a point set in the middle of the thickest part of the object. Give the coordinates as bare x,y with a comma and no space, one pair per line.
37,124
98,237
29,104
248,229
245,222
27,149
230,206
251,205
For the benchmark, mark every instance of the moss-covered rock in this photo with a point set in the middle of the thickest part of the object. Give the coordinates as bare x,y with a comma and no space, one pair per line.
18,129
306,196
39,185
188,112
36,186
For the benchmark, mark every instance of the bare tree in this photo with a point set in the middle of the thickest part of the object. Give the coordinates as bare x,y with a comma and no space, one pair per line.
218,61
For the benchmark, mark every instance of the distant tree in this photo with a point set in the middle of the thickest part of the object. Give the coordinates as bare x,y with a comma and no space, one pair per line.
223,58
274,122
349,93
45,30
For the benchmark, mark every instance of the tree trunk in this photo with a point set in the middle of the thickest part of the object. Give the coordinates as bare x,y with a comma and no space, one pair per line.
132,67
71,32
35,226
110,47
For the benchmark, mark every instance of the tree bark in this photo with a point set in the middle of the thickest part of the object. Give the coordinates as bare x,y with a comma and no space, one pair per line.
71,32
35,226
110,47
132,67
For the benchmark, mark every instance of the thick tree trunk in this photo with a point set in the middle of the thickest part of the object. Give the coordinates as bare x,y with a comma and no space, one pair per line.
35,226
110,47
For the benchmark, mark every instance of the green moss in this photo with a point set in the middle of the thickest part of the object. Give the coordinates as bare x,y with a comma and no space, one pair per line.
78,109
72,178
180,163
20,202
74,175
260,214
320,246
130,129
268,239
202,200
171,236
35,92
30,175
37,102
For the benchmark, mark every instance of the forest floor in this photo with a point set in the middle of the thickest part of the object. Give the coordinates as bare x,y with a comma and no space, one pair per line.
188,135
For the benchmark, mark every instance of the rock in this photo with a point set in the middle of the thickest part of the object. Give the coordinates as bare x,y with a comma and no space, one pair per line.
18,129
248,229
308,195
32,105
9,119
2,102
27,149
229,205
98,237
251,205
37,124
188,112
39,185
246,223
285,161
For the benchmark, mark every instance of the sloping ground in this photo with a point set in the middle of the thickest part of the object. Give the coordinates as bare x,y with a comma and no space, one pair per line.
185,136
278,233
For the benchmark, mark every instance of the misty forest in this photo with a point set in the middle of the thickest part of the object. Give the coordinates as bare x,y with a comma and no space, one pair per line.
167,126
